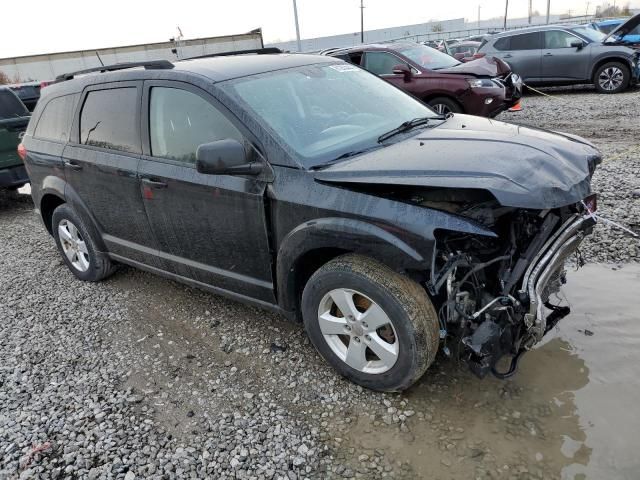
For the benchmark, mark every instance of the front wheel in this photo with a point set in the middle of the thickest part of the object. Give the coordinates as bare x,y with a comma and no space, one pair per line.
612,77
444,106
374,326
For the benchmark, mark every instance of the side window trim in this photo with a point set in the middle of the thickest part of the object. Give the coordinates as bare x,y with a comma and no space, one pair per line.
75,129
70,118
144,123
540,40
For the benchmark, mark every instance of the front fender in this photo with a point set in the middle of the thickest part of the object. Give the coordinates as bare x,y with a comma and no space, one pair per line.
340,234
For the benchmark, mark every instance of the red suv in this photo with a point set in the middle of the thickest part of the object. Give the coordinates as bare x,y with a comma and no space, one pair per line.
485,86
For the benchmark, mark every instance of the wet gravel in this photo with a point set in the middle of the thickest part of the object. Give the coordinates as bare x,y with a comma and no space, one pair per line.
140,377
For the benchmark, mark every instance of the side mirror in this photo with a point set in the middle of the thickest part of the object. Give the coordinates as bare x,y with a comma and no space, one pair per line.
225,157
403,70
577,44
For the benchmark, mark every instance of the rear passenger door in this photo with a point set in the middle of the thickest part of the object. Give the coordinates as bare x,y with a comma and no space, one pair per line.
210,228
523,52
101,164
561,61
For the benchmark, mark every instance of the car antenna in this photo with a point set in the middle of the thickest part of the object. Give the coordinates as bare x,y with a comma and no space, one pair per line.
99,59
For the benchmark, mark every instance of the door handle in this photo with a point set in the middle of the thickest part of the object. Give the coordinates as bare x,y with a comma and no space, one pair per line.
508,55
548,54
153,183
72,165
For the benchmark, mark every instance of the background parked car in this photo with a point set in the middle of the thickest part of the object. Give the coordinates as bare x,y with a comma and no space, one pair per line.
484,87
14,118
624,31
464,51
28,93
564,55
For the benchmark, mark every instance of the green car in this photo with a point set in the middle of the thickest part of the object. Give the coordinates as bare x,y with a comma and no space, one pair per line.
14,118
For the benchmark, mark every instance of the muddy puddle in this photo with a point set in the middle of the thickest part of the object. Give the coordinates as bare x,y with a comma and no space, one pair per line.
572,411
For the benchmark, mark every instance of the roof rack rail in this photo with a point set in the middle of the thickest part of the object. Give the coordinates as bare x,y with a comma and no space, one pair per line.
152,65
257,51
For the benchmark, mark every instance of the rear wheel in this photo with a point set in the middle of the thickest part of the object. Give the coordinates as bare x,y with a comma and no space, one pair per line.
444,105
374,326
77,246
612,77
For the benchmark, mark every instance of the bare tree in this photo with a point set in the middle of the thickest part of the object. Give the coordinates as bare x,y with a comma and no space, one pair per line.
4,78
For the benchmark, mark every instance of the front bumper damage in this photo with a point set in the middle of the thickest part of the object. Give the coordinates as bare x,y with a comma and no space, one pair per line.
508,322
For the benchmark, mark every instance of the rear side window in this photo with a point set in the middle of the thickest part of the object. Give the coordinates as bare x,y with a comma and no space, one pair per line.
108,120
380,63
526,41
180,121
55,121
10,105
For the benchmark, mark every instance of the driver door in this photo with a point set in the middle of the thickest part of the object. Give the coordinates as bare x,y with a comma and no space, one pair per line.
561,61
209,228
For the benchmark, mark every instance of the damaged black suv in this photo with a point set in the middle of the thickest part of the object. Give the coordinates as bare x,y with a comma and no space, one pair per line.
311,187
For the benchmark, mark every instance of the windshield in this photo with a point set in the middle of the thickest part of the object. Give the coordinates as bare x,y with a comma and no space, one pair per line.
428,57
325,111
590,33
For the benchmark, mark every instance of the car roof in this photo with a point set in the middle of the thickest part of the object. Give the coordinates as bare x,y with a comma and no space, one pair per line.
377,46
224,68
541,28
616,21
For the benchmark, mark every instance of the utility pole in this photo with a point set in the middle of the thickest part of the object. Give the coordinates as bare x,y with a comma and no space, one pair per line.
361,21
586,10
295,15
506,10
548,10
478,18
530,10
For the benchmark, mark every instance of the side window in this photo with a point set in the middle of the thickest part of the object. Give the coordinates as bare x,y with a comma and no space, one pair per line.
108,119
55,121
502,44
355,58
180,121
526,41
380,63
558,39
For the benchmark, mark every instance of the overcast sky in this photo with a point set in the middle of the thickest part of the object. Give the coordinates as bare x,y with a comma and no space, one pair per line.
62,25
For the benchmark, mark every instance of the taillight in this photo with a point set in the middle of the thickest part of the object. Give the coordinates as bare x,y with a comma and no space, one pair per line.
22,152
478,55
44,84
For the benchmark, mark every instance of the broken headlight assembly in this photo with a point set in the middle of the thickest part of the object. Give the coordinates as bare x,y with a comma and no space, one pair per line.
496,295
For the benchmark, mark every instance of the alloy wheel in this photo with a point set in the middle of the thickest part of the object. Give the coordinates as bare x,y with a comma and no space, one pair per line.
73,245
358,331
611,78
441,109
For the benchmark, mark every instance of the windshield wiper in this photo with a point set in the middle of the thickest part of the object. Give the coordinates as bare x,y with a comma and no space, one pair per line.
343,156
406,126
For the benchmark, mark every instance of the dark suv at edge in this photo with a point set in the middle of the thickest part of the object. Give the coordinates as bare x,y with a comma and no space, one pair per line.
276,180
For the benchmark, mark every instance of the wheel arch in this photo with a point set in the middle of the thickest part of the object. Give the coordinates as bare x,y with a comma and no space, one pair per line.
601,61
432,96
314,243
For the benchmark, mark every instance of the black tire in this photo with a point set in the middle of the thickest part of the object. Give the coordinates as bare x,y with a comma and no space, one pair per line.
444,105
607,70
99,264
414,319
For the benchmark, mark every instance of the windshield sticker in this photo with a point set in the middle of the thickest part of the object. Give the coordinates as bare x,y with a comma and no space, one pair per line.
344,68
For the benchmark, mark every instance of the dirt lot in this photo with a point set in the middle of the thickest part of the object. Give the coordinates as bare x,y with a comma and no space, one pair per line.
140,377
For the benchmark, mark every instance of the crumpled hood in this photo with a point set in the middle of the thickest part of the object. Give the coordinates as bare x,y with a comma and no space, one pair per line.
481,67
521,167
624,28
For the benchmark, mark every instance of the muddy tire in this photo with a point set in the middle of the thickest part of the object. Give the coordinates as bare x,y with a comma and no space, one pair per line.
77,247
374,326
444,105
612,77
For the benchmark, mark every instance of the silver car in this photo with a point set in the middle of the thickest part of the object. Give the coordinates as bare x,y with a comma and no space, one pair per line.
565,55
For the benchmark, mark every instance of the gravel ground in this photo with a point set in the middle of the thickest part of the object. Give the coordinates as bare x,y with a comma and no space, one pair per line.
140,377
